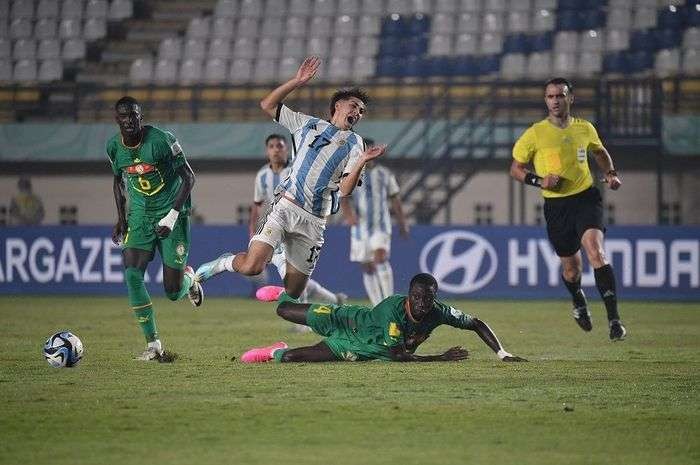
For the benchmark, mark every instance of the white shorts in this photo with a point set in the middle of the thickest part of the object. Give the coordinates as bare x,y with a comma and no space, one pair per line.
362,250
299,231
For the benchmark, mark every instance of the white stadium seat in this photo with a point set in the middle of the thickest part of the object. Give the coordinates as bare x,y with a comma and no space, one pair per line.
372,8
320,26
317,46
247,27
220,48
468,23
294,47
539,65
498,6
341,47
72,9
165,71
265,71
470,5
619,18
240,71
324,7
466,44
47,9
49,49
190,72
367,46
443,23
440,44
349,7
199,28
141,71
644,18
22,9
215,71
273,27
170,48
24,48
566,41
95,28
195,49
24,71
564,64
543,20
445,6
592,41
345,26
223,27
250,8
69,28
300,7
287,68
276,10
21,28
545,5
46,28
492,22
363,68
369,25
667,63
590,64
691,62
519,21
617,40
295,26
96,9
50,70
519,5
269,47
491,43
691,37
338,70
73,49
244,48
226,9
513,66
400,7
5,70
120,9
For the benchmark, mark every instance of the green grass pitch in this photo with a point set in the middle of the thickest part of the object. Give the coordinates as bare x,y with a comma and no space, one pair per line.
634,402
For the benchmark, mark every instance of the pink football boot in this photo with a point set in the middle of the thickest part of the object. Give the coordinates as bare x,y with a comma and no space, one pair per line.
269,293
262,354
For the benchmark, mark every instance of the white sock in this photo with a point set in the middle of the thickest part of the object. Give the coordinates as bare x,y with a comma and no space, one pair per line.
228,263
374,292
385,276
318,293
259,279
157,345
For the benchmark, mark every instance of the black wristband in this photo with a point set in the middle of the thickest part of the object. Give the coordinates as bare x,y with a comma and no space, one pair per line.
533,180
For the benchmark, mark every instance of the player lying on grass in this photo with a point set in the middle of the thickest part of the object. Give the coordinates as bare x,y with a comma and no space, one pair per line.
392,330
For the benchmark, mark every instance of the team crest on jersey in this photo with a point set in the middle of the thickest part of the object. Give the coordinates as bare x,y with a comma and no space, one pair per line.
140,168
342,142
180,249
394,330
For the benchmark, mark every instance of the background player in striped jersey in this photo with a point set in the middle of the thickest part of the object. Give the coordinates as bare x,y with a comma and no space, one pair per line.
266,181
329,161
370,235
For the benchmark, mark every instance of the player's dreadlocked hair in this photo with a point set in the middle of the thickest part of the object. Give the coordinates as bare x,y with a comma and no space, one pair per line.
126,100
425,279
560,81
342,94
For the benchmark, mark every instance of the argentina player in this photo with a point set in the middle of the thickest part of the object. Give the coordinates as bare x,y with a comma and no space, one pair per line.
328,163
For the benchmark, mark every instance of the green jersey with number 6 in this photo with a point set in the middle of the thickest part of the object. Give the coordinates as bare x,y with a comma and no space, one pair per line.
150,171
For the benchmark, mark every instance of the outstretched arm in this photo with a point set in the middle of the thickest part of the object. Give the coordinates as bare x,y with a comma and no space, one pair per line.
400,354
120,228
489,337
306,71
166,225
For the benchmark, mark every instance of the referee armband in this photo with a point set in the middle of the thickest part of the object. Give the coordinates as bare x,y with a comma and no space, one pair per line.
533,180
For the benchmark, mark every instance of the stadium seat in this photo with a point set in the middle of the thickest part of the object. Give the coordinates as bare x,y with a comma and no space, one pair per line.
265,71
170,48
670,18
667,63
22,9
272,27
49,49
470,6
388,66
667,38
491,43
492,22
199,28
367,46
5,70
566,41
518,21
24,71
543,20
226,9
488,65
592,40
564,64
619,18
241,71
299,7
50,70
165,71
5,49
269,47
468,23
625,4
497,6
644,39
294,47
295,26
513,66
349,7
539,65
693,15
23,49
466,44
220,48
644,18
190,72
516,43
324,7
47,9
394,26
369,25
320,26
445,6
440,44
195,49
276,10
617,39
372,8
244,48
545,5
568,20
222,27
215,71
616,63
141,71
120,9
443,23
439,65
69,28
345,26
400,7
640,61
541,42
691,62
317,46
418,24
417,46
46,28
287,67
341,47
21,28
73,49
250,8
4,27
414,66
95,28
96,9
72,9
5,10
392,46
590,64
691,38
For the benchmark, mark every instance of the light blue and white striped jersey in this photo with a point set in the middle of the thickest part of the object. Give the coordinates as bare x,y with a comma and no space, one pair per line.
323,153
371,202
266,181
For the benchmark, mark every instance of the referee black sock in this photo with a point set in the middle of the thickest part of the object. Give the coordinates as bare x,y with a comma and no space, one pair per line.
605,281
574,288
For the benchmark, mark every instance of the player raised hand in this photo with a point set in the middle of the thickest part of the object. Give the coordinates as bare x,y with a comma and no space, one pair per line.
307,70
454,354
373,152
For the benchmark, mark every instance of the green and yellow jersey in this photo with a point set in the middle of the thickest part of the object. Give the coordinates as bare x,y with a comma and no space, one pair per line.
150,171
355,332
563,152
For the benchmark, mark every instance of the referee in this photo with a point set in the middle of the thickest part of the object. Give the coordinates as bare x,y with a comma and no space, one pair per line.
558,147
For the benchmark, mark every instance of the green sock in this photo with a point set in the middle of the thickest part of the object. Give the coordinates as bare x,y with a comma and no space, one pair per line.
284,297
184,287
147,322
277,355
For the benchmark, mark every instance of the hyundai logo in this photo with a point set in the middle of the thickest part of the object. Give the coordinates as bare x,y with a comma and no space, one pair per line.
460,261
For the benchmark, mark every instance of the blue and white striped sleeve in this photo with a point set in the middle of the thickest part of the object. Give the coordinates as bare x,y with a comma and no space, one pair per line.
292,120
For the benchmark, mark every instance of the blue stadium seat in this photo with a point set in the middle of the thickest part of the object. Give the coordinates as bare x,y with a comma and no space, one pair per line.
569,5
568,20
670,17
391,46
595,4
412,66
516,43
692,17
418,24
643,39
616,63
639,61
389,66
464,66
667,38
489,64
592,19
439,66
416,45
394,26
541,42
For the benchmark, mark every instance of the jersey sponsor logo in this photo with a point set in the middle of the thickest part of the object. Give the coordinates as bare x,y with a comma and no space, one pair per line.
460,261
323,310
581,154
141,168
394,330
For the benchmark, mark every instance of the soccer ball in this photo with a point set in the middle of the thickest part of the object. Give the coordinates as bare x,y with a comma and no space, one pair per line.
63,349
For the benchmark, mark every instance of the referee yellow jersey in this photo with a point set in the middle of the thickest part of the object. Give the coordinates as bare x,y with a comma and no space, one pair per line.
563,152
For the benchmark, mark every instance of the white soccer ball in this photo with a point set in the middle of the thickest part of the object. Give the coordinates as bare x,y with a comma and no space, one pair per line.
63,349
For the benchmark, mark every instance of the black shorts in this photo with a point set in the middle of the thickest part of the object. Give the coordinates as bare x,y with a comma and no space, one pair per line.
569,217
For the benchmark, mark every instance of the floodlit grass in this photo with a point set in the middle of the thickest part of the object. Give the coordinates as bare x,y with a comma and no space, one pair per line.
634,402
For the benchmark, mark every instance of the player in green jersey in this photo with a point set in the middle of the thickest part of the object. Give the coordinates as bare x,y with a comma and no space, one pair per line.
151,171
392,330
